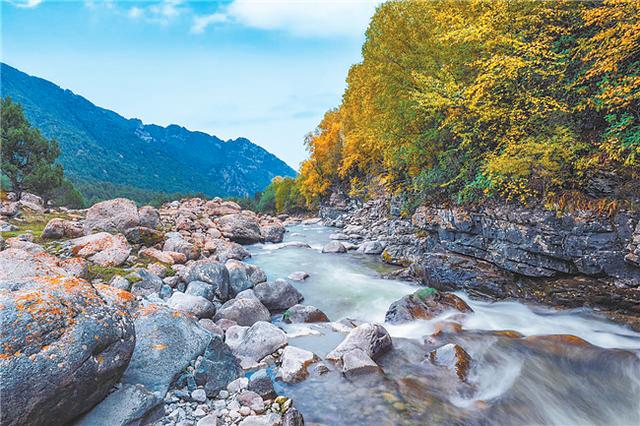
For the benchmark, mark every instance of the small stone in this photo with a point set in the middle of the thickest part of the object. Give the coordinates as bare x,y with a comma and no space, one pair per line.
245,411
223,394
199,412
238,385
199,395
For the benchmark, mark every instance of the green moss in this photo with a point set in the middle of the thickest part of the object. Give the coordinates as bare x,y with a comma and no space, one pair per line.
32,223
286,315
105,273
169,272
423,293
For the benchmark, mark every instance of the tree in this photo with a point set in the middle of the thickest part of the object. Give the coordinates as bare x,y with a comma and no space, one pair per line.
28,159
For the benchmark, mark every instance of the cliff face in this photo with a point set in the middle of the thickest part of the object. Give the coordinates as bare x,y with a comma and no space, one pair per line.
574,259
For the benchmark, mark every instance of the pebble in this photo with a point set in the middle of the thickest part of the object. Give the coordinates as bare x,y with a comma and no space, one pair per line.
237,385
245,411
223,394
199,412
199,395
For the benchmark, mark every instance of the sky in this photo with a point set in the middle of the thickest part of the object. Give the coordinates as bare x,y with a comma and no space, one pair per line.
266,70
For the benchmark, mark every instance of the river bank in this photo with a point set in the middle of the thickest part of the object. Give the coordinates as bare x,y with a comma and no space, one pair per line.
570,260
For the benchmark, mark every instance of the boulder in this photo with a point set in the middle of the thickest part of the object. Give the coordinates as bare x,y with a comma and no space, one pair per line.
167,341
24,244
277,295
371,247
129,405
224,250
195,305
453,357
16,264
211,327
60,228
9,209
155,254
334,247
270,419
143,235
178,244
211,272
240,227
298,276
32,202
294,363
304,313
292,417
149,217
252,400
272,232
339,237
373,339
356,362
244,311
243,276
425,303
62,348
102,248
148,284
116,215
202,289
258,341
261,383
218,367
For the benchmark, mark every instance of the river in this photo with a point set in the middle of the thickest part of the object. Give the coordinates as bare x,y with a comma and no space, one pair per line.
518,376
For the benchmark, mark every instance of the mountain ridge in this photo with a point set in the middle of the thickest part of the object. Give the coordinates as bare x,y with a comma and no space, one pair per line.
100,145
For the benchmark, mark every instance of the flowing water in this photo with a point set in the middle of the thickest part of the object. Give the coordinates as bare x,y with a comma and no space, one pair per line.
526,368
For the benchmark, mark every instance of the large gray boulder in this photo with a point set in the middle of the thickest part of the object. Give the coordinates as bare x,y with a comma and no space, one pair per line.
218,367
143,235
224,250
115,215
16,264
371,247
277,295
373,339
167,341
102,248
334,247
62,348
294,363
195,305
273,232
61,228
148,284
257,341
244,311
243,276
149,217
304,313
178,244
211,272
202,289
128,406
242,228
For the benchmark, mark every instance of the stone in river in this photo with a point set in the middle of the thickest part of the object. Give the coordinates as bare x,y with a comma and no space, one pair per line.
425,303
334,247
454,357
277,295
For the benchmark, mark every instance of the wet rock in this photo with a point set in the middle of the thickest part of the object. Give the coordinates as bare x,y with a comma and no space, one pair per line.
454,357
225,250
334,247
240,227
425,303
288,244
244,311
60,228
144,236
272,232
149,217
243,276
195,305
294,363
277,295
218,367
270,419
298,276
102,248
373,339
167,341
339,237
371,247
127,406
148,284
292,417
115,215
260,383
58,332
213,273
304,313
357,362
258,341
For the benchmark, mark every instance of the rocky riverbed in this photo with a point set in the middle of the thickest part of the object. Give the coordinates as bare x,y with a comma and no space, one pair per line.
199,313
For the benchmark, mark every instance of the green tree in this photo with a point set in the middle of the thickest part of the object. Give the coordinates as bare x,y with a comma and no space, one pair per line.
28,159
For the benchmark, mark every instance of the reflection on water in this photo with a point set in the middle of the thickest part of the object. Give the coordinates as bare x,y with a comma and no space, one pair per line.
523,377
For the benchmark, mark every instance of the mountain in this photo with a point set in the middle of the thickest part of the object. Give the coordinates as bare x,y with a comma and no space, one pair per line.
100,147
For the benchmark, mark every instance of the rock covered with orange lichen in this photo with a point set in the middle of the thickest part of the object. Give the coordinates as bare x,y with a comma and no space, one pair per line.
62,347
102,248
16,264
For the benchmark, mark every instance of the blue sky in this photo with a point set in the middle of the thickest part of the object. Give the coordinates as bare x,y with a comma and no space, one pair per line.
263,69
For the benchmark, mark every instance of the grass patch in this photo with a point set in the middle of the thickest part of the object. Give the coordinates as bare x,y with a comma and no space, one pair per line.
105,273
423,293
32,223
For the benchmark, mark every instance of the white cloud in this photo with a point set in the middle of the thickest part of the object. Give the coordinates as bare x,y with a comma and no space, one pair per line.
308,18
26,3
166,10
135,12
305,17
200,23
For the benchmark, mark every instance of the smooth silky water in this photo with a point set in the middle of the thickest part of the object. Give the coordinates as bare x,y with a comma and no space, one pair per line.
518,377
